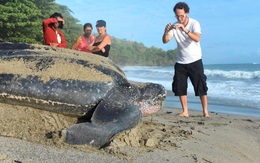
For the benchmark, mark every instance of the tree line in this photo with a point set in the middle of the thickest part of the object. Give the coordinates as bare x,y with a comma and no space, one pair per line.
21,21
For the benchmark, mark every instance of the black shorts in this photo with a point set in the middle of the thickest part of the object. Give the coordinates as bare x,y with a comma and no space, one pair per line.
195,72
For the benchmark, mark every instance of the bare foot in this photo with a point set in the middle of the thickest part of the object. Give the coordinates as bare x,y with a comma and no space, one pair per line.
206,115
183,115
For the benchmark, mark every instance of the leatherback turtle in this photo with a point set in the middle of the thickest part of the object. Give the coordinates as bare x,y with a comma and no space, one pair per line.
78,84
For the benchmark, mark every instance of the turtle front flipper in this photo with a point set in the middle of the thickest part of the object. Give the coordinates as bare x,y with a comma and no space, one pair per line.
109,118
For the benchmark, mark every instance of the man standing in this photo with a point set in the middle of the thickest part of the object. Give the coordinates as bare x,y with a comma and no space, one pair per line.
187,33
52,35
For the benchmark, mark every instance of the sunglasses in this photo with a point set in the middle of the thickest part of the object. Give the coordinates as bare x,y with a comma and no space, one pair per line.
180,16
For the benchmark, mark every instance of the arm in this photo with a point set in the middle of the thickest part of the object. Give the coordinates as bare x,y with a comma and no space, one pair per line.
76,44
194,36
90,46
48,31
166,36
48,21
105,41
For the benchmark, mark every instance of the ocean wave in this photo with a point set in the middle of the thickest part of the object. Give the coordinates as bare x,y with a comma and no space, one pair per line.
228,85
233,74
218,73
152,69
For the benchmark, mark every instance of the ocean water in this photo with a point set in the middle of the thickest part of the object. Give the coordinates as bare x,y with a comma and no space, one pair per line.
233,88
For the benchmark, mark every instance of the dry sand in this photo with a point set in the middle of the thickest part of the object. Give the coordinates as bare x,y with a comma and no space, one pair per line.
32,135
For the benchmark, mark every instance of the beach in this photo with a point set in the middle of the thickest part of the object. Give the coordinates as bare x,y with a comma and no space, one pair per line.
32,135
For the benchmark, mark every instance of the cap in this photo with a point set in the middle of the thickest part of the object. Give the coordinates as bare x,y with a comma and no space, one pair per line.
100,23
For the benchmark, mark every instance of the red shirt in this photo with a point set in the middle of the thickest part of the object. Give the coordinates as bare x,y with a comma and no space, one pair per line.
50,33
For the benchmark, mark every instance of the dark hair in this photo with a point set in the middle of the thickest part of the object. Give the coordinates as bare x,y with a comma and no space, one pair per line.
87,25
55,15
181,5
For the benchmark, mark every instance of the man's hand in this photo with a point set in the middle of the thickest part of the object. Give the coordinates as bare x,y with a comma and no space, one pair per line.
181,27
54,44
166,37
60,19
168,28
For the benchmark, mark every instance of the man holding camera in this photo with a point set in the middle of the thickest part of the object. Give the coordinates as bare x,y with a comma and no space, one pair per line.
52,35
187,33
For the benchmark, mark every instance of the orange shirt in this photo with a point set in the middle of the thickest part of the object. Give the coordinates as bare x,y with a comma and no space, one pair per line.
84,44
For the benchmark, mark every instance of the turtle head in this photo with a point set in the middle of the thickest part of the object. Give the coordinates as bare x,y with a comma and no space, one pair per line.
152,97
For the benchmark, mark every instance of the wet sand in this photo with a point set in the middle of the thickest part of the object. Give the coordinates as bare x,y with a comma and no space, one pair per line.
32,135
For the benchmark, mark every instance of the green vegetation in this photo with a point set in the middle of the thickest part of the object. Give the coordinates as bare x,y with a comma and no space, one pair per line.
132,53
21,21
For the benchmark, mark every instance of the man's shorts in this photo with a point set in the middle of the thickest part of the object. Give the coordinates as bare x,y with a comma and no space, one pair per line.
195,72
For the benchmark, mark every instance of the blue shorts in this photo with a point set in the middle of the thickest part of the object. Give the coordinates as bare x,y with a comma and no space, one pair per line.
195,72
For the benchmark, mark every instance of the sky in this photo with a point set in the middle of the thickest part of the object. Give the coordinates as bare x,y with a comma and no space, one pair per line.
230,28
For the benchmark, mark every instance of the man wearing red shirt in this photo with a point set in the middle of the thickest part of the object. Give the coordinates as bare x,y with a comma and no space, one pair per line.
52,35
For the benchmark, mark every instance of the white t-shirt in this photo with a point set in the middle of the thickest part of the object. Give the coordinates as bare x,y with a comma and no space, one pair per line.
188,51
58,37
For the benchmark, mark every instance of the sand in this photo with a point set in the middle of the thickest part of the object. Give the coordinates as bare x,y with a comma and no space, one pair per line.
32,135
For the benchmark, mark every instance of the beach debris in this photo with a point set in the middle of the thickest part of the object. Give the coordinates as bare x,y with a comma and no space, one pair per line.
17,161
185,133
206,160
248,120
203,132
163,130
190,122
194,157
201,123
151,142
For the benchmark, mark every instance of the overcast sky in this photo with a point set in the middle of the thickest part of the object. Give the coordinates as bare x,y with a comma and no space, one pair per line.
230,29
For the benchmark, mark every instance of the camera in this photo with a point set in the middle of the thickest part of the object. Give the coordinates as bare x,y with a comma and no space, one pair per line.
173,27
60,24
